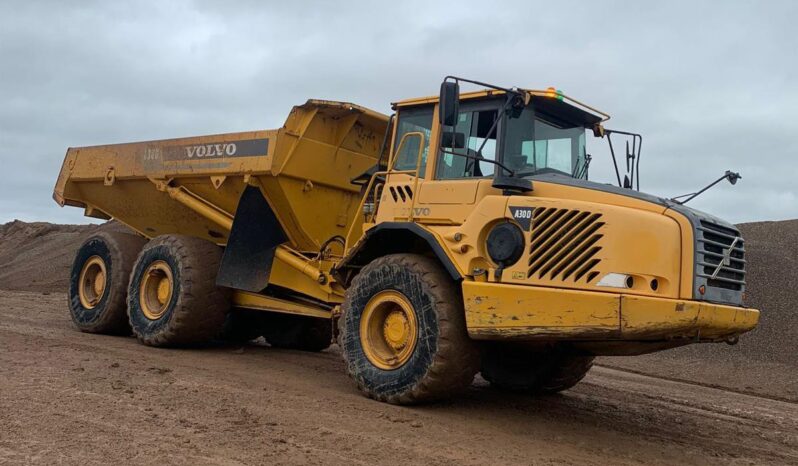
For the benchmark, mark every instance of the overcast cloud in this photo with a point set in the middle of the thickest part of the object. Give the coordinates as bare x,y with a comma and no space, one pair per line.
710,85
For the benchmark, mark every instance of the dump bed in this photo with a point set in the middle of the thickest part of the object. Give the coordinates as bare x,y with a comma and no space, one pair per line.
303,170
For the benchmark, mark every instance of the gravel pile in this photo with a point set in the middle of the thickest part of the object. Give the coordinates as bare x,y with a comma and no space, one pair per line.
38,256
772,263
771,250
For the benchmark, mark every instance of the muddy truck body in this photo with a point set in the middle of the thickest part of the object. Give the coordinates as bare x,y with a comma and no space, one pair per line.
459,235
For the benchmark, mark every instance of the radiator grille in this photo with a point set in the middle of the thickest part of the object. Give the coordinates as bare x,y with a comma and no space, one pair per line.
564,244
720,245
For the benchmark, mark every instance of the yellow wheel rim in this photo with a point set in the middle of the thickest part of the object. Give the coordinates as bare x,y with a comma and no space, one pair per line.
388,330
92,282
155,290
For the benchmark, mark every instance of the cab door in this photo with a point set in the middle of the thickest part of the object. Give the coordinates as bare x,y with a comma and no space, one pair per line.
454,183
408,165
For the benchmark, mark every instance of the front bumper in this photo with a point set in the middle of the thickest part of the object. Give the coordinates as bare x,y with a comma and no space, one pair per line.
496,311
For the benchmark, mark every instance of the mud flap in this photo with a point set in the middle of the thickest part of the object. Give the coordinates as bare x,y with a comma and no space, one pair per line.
255,235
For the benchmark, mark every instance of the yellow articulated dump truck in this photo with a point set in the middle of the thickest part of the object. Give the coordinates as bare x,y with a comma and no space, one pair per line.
459,235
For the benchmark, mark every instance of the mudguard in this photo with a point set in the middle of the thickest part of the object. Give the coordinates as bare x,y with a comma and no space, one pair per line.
256,233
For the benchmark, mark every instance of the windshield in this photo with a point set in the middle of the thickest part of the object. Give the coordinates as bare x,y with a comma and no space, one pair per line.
532,145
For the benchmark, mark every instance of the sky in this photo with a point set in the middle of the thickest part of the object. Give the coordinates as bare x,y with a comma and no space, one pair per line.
711,86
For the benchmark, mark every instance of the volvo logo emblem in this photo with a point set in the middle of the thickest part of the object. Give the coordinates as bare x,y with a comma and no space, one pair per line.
726,260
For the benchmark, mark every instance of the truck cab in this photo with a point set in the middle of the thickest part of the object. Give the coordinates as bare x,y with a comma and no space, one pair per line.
497,184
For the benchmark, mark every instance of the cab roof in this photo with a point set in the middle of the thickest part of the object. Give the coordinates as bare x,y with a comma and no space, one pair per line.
551,102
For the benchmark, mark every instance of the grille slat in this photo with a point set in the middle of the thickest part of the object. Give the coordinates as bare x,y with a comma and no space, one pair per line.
739,246
719,256
725,267
574,255
721,228
545,227
731,280
564,243
581,241
579,262
573,228
717,233
587,267
717,244
557,228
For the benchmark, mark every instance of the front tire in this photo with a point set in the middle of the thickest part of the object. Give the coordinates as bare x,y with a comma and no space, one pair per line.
98,282
403,332
173,299
542,372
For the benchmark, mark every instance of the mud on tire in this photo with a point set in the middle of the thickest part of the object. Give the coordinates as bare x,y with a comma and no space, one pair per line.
195,309
515,368
117,252
444,359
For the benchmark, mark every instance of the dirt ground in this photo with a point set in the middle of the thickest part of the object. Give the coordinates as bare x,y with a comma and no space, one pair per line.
73,398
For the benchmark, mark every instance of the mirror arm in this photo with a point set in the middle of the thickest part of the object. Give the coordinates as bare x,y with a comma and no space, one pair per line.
729,175
508,90
634,156
614,160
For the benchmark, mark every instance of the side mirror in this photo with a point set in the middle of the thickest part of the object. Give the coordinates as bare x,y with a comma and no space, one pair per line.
449,107
453,140
732,177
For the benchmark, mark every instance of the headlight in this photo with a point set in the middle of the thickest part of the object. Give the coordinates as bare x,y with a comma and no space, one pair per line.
505,244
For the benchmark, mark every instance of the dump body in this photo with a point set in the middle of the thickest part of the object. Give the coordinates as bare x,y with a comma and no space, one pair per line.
303,169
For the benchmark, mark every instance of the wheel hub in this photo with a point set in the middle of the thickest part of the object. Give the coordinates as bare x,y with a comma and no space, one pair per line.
91,288
155,290
396,330
388,330
164,289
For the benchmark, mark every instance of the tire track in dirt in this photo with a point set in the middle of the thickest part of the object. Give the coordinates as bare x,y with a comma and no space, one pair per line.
91,399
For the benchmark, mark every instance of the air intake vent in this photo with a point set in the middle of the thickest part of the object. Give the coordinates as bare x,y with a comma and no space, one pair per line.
564,244
721,256
402,192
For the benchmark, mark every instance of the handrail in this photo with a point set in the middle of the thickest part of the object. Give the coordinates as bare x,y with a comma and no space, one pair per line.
387,174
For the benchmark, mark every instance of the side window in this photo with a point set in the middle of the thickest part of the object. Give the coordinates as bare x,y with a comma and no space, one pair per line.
474,129
410,121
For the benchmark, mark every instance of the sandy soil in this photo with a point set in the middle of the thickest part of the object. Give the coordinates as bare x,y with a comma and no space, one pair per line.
76,398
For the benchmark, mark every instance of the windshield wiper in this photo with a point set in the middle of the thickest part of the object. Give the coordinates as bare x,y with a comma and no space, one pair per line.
580,171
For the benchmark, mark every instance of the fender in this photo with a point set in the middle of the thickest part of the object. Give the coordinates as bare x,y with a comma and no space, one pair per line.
396,237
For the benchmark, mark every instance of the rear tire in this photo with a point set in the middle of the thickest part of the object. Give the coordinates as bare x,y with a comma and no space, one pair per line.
519,369
418,350
98,282
173,299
